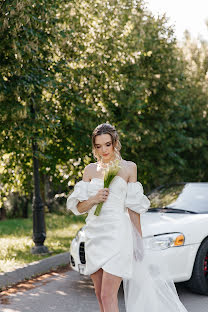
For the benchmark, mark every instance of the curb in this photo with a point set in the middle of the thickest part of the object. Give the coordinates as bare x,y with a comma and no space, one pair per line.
34,268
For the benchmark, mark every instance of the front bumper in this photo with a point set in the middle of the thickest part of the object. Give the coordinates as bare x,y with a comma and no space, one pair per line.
179,260
77,256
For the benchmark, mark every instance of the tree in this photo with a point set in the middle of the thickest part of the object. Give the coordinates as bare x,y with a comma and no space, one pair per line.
27,32
195,100
70,66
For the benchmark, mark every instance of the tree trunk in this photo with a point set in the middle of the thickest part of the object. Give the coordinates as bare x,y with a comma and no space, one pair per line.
2,213
25,208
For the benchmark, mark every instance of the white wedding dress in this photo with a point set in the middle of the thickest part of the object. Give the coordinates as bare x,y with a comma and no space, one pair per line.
114,244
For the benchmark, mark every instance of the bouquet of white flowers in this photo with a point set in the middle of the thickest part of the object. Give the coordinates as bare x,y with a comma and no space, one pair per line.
109,175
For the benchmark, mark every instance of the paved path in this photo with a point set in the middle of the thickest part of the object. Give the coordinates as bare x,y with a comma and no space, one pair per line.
70,292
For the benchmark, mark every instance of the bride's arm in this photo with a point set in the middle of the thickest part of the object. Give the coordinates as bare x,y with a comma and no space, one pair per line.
86,205
134,216
91,201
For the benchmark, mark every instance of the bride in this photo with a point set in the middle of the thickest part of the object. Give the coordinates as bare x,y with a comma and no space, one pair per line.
114,248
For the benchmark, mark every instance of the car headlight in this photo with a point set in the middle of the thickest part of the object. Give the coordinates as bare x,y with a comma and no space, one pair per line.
164,241
79,234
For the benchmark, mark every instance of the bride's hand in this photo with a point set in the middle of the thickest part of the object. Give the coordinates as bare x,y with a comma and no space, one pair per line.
101,195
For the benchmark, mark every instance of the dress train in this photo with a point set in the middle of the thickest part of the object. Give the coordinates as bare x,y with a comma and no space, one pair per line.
149,289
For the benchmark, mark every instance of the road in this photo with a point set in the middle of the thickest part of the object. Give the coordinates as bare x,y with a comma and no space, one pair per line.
67,291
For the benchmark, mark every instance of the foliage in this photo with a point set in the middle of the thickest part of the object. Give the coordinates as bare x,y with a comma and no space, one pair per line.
82,63
195,103
27,33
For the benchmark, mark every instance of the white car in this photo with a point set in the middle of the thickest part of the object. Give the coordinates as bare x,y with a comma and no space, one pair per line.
175,225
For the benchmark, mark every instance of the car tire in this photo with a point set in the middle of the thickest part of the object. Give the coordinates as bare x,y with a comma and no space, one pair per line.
198,282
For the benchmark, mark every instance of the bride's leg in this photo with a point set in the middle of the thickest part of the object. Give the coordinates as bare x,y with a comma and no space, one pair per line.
109,292
97,281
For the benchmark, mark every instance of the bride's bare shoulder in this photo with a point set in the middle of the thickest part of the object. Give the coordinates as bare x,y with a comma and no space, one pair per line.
130,164
131,168
89,172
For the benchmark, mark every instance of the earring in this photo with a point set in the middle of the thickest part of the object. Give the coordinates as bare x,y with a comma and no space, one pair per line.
98,158
117,153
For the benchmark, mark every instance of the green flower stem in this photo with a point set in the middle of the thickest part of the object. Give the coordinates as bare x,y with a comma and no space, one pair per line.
98,209
99,206
108,177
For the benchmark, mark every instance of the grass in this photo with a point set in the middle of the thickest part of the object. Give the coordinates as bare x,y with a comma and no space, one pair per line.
16,238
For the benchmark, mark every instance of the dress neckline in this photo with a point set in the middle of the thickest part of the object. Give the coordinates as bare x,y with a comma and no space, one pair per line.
117,176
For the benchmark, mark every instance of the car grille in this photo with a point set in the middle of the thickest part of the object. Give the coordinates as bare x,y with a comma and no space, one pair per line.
82,253
72,261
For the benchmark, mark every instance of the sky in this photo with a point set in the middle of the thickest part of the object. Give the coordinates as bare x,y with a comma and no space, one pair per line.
185,14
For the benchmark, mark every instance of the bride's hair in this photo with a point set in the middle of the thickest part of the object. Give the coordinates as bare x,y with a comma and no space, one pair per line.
106,128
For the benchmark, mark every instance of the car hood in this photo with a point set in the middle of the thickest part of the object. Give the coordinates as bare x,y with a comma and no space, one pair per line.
154,223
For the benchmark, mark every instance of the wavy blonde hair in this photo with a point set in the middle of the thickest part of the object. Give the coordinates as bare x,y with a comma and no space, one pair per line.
106,128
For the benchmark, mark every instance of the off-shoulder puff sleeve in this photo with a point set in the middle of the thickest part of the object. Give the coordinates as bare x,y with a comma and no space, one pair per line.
135,198
79,194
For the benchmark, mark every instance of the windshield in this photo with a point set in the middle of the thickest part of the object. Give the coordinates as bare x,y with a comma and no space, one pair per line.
188,196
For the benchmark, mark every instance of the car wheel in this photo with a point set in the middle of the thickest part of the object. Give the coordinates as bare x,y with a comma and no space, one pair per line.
199,279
